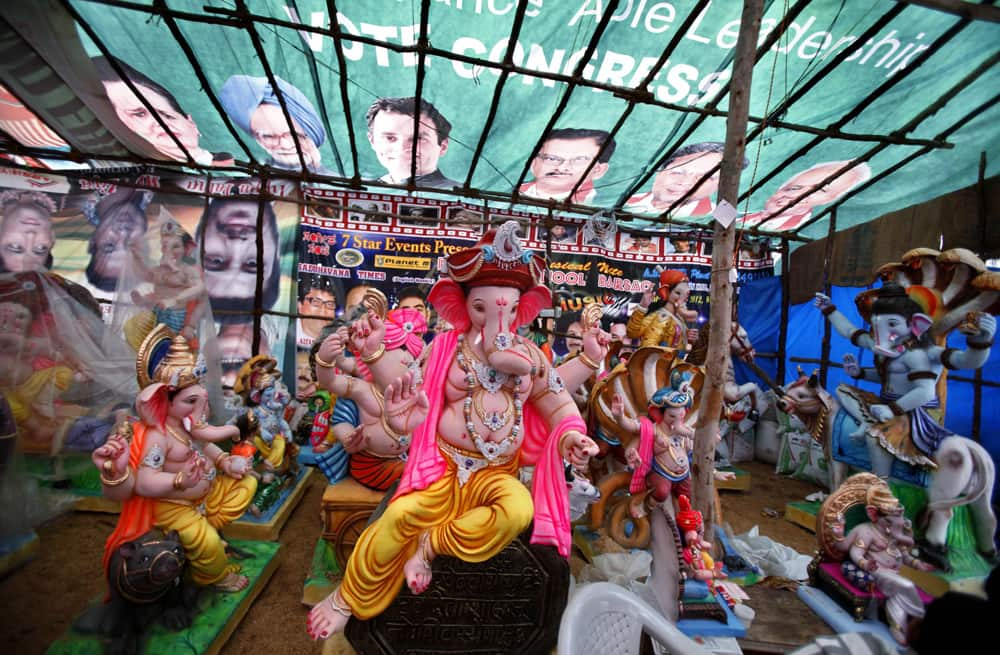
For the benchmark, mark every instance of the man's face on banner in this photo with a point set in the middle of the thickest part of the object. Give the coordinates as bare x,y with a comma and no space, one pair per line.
134,115
230,256
26,238
560,163
235,343
417,303
680,175
316,309
806,181
391,136
115,232
271,131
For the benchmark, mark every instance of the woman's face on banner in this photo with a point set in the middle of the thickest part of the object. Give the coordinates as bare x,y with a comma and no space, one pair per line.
136,117
230,257
115,232
26,239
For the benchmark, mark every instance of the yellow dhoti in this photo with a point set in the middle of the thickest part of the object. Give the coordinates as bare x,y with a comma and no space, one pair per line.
40,383
273,453
198,522
472,521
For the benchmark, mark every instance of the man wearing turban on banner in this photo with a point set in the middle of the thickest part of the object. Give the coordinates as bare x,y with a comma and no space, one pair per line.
490,403
253,105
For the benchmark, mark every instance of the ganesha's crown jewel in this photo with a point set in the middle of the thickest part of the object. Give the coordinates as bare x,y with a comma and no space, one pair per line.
498,259
881,498
167,358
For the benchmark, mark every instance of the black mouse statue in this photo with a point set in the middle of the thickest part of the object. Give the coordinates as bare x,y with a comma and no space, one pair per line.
145,584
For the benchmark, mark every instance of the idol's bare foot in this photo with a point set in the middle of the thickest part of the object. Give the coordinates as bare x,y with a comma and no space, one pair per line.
233,582
329,616
418,568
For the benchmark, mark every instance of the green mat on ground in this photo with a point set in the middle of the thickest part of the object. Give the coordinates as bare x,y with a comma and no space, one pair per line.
218,614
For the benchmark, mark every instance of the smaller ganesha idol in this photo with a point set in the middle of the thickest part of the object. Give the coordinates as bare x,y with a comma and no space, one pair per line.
167,468
259,385
863,561
697,552
387,345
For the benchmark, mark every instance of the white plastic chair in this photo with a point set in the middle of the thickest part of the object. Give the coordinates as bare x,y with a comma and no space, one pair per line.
605,619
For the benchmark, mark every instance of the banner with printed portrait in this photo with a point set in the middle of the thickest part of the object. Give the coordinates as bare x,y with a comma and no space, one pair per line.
292,85
182,249
352,241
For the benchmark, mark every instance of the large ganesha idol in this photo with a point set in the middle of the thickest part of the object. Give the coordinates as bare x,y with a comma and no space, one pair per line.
489,403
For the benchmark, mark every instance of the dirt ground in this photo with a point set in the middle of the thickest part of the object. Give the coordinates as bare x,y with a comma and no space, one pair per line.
40,600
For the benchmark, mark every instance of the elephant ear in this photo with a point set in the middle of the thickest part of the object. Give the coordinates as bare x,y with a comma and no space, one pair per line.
151,404
448,300
920,323
532,302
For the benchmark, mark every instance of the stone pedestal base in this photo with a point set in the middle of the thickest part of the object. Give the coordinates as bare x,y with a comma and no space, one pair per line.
510,604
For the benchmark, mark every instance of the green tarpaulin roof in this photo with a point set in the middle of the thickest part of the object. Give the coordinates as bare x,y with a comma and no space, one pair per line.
575,104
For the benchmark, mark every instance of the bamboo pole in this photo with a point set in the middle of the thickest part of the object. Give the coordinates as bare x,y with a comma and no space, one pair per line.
824,356
785,303
720,317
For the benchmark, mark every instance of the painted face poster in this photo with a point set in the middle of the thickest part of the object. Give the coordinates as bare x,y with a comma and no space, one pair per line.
339,97
144,242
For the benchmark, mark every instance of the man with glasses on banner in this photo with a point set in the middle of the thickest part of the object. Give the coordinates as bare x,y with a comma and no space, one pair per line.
317,308
561,161
252,104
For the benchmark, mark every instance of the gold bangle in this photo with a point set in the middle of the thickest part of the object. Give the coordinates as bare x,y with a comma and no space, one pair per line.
114,483
179,481
323,363
218,458
591,364
375,356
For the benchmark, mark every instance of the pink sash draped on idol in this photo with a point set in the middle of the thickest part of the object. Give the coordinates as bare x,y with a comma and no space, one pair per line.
496,260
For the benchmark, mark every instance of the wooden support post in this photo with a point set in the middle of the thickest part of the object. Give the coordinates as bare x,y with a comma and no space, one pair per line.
824,356
786,301
720,317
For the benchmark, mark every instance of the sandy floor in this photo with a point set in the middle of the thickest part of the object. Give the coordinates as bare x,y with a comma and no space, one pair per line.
40,599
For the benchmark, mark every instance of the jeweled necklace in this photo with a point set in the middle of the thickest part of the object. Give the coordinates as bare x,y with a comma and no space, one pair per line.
491,379
493,420
184,439
491,450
